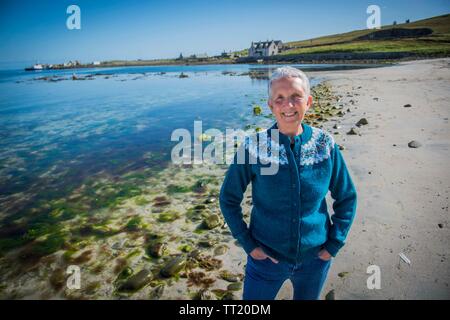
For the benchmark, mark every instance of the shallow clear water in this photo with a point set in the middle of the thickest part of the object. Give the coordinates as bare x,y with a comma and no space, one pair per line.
56,134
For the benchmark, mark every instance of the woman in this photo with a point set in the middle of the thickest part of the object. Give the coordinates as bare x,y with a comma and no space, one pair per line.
291,235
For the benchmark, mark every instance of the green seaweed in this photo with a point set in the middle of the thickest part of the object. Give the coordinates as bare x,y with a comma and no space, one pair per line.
11,243
124,274
134,224
51,244
171,189
141,201
133,253
185,248
257,110
168,216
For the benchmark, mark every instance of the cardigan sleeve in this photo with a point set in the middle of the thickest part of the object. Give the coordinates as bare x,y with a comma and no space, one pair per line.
236,180
344,206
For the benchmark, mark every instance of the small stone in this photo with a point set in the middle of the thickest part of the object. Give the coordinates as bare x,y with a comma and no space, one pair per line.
257,110
220,250
407,106
199,207
228,296
205,243
353,131
362,122
342,274
210,200
119,244
173,266
156,292
235,286
168,216
330,295
220,293
341,147
414,144
228,276
125,273
156,248
136,281
440,225
336,126
211,221
202,294
200,186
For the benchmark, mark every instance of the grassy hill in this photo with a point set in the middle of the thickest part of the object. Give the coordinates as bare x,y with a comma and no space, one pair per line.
438,42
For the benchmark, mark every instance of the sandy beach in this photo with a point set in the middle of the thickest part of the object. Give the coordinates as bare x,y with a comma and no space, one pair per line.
403,192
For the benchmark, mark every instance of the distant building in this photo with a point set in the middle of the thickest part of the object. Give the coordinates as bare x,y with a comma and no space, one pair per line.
180,57
265,48
201,56
72,63
96,63
225,54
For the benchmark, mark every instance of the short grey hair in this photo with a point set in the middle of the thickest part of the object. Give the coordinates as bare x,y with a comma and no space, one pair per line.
287,71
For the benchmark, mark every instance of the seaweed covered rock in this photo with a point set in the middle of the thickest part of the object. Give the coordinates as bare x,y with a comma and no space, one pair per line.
173,266
136,281
211,221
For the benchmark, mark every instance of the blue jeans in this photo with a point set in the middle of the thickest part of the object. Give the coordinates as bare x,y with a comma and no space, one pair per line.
263,278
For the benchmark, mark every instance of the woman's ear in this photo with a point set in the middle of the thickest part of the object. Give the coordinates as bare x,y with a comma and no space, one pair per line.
309,102
269,103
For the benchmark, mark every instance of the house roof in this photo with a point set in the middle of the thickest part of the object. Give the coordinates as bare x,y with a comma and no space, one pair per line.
265,44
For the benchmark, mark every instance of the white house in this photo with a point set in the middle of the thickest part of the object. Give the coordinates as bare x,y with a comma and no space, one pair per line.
265,48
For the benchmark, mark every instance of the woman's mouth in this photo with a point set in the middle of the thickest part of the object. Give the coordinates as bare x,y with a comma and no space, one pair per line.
289,115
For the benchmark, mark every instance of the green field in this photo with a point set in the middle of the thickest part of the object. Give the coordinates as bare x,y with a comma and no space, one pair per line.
435,43
438,42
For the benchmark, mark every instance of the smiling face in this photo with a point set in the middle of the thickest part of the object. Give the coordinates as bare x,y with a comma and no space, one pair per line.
289,104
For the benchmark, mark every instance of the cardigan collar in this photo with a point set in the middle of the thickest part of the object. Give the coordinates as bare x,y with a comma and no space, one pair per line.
304,137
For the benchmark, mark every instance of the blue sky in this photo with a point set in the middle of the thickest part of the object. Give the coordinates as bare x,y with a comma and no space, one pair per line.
36,30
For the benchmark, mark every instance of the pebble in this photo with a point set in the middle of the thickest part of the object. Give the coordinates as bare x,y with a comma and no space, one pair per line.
137,281
211,221
414,144
173,266
362,122
330,295
353,131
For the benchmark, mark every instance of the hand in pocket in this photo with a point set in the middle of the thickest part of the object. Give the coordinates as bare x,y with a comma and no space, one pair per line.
259,254
324,255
